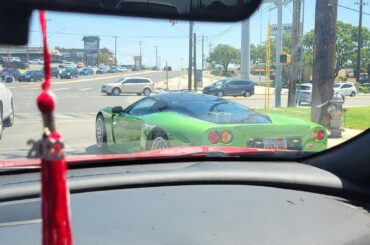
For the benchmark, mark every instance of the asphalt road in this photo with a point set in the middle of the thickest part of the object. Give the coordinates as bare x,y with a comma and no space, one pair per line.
78,101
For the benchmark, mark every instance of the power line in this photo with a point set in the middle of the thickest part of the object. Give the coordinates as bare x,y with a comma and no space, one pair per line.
352,9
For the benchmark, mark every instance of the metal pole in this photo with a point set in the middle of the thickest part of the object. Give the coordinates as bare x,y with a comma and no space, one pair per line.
141,58
167,74
301,61
245,49
115,50
190,55
156,57
259,77
195,62
359,45
279,38
202,52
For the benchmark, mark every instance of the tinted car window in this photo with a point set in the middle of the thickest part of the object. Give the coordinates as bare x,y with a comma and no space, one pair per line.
142,107
221,112
347,86
130,81
305,88
142,81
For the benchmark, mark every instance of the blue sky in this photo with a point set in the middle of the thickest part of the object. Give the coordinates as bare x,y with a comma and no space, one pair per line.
172,40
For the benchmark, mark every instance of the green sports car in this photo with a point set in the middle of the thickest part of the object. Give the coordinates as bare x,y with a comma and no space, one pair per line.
187,119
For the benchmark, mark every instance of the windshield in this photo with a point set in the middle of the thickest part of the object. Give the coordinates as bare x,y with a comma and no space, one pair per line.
178,100
219,83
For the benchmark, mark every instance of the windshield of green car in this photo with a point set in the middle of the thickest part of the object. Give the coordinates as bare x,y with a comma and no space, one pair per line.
129,85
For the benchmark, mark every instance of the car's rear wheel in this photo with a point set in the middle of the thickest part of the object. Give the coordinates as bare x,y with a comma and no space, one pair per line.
158,141
353,94
10,120
32,80
247,94
147,92
100,133
220,93
116,91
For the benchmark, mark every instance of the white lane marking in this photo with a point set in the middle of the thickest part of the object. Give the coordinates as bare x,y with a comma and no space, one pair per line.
84,89
58,89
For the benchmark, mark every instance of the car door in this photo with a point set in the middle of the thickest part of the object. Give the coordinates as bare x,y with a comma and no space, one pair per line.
229,88
128,126
128,85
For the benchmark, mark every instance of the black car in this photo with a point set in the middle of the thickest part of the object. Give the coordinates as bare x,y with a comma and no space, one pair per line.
237,87
15,64
69,73
32,76
112,69
11,72
55,72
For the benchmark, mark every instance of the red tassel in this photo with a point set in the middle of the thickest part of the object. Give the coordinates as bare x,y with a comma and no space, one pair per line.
56,228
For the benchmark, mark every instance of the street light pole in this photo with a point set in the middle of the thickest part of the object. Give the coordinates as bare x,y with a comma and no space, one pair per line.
190,54
141,57
359,42
156,57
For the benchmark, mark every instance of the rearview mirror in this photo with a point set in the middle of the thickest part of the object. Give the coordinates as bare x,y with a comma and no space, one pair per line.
207,10
117,109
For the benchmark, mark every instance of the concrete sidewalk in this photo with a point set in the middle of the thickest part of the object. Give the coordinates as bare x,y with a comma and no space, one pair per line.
346,135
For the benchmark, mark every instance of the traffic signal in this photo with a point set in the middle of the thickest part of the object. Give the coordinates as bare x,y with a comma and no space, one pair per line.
285,58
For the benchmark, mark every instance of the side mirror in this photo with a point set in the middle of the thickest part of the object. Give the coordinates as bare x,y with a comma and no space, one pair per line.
117,109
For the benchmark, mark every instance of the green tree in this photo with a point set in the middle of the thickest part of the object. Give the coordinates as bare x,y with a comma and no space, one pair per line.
224,55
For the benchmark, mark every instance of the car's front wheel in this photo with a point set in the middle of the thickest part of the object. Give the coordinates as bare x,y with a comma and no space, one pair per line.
116,91
220,93
32,80
10,120
100,132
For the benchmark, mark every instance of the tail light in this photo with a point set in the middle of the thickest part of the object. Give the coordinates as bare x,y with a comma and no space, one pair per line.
318,134
214,137
226,137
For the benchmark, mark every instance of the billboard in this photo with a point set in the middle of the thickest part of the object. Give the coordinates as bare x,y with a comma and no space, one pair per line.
91,45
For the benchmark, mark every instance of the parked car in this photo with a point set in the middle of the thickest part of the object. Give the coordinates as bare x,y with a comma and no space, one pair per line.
102,70
32,76
112,69
67,64
80,65
237,87
138,85
15,64
305,93
121,69
55,72
364,80
167,68
69,73
11,59
87,71
10,72
345,89
6,108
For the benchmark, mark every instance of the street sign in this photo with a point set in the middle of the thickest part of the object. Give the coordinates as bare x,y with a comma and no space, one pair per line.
91,45
287,28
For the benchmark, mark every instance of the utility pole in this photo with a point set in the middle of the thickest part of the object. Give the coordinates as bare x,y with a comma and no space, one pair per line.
245,49
202,52
195,62
156,57
167,74
323,74
190,55
279,37
115,50
296,53
359,42
141,57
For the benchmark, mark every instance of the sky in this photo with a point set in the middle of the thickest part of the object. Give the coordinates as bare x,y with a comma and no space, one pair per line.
67,29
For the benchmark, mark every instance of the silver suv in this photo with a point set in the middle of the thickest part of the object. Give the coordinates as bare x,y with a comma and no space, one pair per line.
137,85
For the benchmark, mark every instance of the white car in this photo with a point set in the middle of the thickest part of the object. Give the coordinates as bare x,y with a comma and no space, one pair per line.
345,89
36,61
121,69
6,108
137,85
